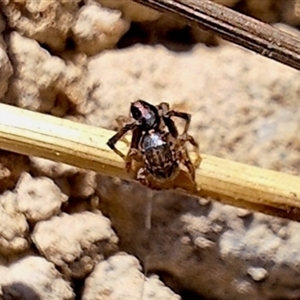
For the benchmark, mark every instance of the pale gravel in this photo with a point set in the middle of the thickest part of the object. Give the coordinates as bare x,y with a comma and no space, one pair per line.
34,278
120,278
75,251
14,229
32,200
97,28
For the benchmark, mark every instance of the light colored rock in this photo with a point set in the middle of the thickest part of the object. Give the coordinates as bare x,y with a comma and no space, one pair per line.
5,67
98,28
156,27
36,72
38,198
14,230
46,167
82,184
120,277
205,201
257,274
155,290
116,278
203,242
73,181
75,243
243,213
34,278
3,272
132,11
43,82
47,21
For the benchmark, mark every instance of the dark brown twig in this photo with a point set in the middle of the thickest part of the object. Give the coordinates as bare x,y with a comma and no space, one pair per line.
235,27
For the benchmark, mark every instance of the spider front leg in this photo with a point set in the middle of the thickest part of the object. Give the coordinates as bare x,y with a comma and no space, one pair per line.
163,109
182,115
114,139
123,121
166,114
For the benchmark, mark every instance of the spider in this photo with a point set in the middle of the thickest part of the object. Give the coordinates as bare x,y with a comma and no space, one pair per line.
155,142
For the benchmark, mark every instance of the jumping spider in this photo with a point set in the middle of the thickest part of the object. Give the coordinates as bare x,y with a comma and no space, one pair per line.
156,142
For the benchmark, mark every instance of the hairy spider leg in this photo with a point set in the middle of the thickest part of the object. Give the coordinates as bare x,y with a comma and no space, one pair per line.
182,115
134,153
113,140
163,109
122,121
188,138
166,114
185,159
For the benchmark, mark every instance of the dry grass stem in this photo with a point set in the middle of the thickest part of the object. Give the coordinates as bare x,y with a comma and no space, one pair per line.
84,146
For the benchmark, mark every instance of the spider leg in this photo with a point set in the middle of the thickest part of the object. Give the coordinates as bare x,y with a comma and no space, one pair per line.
171,126
166,113
134,153
185,160
164,109
122,121
113,140
183,138
182,115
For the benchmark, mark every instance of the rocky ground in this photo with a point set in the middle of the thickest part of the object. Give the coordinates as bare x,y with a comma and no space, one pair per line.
67,233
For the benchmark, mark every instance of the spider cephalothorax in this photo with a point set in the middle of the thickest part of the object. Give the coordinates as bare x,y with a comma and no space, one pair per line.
155,141
143,117
145,114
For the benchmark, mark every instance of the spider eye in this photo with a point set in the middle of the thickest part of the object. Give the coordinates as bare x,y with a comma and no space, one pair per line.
136,113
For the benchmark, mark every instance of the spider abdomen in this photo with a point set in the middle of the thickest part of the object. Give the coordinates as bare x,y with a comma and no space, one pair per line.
159,157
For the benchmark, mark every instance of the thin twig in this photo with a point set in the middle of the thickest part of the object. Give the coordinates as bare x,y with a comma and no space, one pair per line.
235,27
84,146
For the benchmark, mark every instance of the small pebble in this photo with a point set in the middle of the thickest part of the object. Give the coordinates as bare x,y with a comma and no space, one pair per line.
257,274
